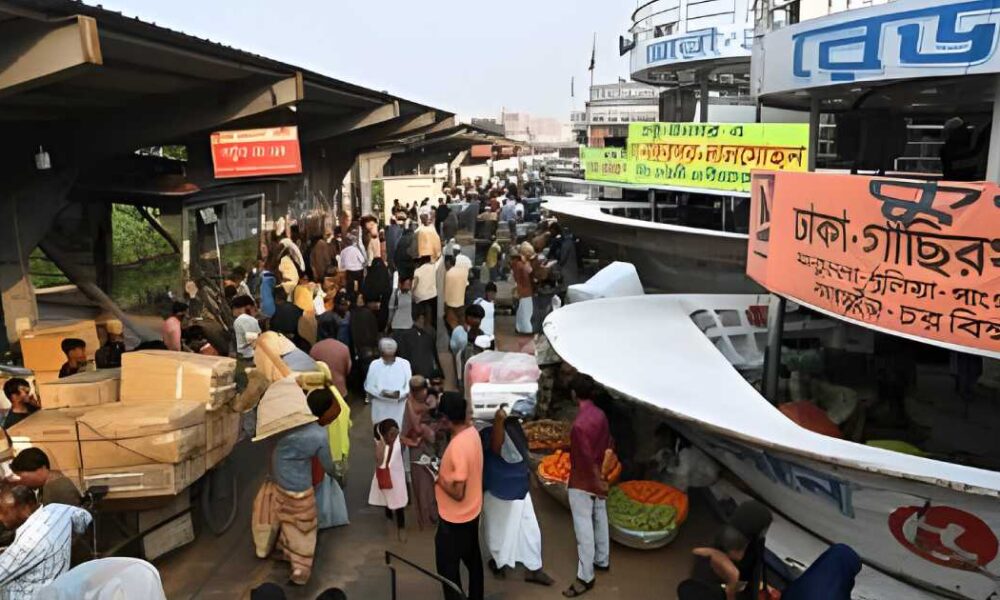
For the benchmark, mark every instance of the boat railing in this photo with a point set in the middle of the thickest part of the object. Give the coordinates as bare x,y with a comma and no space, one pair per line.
775,14
655,18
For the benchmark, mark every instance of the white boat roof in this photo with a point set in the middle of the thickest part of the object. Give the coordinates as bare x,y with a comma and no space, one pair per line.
649,186
692,381
591,210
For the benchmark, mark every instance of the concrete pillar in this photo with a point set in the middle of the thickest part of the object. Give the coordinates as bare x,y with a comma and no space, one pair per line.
813,131
370,167
993,164
703,81
772,358
26,215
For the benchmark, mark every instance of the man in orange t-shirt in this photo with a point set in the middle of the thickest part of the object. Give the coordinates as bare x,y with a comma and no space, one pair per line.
459,494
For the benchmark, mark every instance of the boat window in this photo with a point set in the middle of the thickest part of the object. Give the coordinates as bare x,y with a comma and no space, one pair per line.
884,390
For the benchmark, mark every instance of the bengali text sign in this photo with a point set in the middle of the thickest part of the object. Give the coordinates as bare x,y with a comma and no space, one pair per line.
256,152
917,257
716,156
604,164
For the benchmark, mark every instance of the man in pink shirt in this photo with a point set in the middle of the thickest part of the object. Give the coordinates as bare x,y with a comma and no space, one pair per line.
337,356
172,326
590,437
459,494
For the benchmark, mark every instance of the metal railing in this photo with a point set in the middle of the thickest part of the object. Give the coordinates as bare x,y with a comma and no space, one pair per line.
653,14
390,557
775,14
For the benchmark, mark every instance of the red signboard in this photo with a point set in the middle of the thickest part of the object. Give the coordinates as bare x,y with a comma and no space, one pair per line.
256,152
482,151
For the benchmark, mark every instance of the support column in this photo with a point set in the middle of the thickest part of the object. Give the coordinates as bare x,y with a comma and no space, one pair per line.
703,81
26,215
370,169
652,205
993,164
772,357
813,131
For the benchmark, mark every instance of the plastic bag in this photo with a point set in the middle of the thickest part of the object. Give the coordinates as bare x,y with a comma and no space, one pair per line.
331,507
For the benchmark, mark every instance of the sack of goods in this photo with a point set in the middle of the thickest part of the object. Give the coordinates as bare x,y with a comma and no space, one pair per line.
89,388
159,375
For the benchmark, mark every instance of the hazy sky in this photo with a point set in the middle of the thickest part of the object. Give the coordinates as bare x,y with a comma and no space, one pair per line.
471,57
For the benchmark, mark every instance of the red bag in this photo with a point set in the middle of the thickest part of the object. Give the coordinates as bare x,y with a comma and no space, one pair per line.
317,471
382,475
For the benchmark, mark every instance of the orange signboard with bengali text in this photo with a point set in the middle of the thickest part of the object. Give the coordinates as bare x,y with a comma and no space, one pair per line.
256,152
915,257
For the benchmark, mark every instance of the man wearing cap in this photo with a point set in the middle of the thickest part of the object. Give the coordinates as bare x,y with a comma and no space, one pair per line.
388,383
109,356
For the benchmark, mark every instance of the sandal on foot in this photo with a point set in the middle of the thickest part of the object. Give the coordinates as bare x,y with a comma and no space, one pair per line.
579,588
605,568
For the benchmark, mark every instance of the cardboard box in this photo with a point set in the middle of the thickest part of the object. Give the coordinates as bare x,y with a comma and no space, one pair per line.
143,481
123,435
160,375
223,429
54,432
171,536
89,388
41,346
45,377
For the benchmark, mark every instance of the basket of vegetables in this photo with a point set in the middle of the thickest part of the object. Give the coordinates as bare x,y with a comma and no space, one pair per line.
553,475
546,435
645,514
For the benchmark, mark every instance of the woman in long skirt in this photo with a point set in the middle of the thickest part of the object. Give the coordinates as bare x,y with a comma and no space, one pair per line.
419,436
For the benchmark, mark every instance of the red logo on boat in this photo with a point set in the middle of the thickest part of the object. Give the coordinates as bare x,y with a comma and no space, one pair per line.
945,536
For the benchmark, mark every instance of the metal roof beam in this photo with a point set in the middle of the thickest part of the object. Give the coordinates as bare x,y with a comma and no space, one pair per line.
36,53
353,122
155,123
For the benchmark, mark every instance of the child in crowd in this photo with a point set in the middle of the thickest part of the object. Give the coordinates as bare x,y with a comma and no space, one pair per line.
389,483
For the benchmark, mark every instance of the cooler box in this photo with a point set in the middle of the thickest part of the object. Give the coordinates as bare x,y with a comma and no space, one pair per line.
89,388
488,397
159,375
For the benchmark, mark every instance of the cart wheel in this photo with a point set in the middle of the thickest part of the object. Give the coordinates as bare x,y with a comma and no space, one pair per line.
219,493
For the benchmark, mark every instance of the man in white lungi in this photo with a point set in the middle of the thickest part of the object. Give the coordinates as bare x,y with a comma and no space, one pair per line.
509,523
388,383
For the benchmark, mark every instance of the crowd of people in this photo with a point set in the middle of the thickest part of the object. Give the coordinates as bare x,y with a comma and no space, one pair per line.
363,304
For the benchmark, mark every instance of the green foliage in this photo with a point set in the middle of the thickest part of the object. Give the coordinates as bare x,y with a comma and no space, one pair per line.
43,272
133,239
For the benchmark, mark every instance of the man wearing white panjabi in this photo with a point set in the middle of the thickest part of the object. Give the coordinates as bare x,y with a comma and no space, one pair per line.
388,383
509,523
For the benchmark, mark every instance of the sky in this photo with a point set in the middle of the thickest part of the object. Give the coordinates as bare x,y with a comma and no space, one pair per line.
470,57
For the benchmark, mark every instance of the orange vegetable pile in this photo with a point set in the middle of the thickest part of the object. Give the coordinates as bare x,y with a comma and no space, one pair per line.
654,492
555,467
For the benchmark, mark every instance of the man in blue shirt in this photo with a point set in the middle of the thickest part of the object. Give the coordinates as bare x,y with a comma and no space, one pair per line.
510,526
284,512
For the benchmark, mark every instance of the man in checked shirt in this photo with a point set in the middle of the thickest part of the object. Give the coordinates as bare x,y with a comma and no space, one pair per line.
41,548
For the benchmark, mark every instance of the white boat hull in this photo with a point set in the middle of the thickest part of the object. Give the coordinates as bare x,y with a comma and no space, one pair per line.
669,259
928,522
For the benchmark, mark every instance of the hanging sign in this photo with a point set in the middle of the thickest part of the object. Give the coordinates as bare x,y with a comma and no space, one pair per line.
256,152
716,156
916,257
605,164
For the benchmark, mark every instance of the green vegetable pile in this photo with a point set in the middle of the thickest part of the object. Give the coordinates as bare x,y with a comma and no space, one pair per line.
626,513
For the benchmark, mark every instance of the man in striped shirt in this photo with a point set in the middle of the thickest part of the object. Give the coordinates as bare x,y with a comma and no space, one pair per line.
41,548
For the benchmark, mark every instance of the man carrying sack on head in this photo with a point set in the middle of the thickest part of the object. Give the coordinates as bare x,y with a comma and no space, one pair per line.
285,512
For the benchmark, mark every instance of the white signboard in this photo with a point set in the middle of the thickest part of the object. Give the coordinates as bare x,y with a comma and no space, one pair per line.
712,43
900,40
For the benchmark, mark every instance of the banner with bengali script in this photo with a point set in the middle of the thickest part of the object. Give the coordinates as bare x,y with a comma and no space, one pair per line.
716,156
604,164
256,152
916,257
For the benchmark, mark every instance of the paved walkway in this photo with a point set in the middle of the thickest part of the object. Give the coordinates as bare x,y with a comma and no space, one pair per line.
353,557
